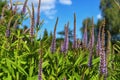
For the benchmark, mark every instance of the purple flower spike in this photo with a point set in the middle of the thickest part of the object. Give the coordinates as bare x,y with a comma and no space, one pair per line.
8,27
91,50
32,22
91,45
53,45
66,40
91,41
24,7
93,37
40,63
40,70
74,34
84,41
38,14
90,59
103,66
98,42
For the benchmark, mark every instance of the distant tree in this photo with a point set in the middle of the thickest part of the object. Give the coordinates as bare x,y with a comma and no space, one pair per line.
49,37
117,3
111,13
62,34
45,35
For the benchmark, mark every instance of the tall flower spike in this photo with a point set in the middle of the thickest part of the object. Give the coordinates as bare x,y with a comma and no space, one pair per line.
40,64
53,45
63,42
40,70
93,37
91,41
74,34
24,7
8,27
66,40
90,49
32,22
38,14
103,66
66,37
91,44
84,41
98,43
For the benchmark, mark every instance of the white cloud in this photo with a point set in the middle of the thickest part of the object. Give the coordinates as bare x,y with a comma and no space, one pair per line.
99,16
50,13
66,2
47,6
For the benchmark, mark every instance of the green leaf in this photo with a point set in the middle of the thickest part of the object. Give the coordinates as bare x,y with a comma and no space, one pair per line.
87,71
26,47
45,63
31,67
79,59
9,77
19,67
96,60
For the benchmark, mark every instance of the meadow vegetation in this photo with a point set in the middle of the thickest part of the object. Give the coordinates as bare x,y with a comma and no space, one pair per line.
26,56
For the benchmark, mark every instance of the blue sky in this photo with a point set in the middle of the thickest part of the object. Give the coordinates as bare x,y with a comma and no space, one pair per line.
64,9
82,8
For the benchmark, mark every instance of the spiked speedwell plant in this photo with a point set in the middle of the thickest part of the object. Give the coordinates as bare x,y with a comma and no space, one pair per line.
24,56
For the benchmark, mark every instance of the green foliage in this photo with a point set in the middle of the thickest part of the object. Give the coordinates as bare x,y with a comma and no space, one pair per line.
111,13
19,56
117,47
45,35
2,4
